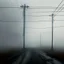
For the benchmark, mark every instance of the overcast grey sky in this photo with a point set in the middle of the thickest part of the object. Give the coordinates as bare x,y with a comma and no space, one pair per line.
11,32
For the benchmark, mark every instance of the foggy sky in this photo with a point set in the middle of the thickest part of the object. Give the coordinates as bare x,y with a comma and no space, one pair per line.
11,33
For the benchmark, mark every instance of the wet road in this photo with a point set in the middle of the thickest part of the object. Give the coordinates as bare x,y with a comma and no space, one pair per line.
34,57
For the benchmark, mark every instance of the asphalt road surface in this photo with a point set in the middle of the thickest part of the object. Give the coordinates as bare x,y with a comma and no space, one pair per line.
33,57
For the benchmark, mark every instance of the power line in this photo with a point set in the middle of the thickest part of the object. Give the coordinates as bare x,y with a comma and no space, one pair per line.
9,21
26,21
36,7
37,15
40,21
45,11
58,20
58,6
60,15
9,7
59,11
32,7
42,7
32,21
44,28
41,15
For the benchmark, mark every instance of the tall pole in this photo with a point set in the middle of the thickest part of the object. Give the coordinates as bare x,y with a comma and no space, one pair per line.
40,40
52,31
24,20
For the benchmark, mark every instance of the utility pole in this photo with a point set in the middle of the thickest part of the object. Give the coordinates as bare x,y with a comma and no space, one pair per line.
40,40
52,31
24,20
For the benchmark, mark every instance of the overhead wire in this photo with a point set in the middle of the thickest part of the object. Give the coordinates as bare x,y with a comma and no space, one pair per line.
34,7
59,11
41,15
42,7
45,27
9,21
45,11
58,6
33,21
40,21
34,16
37,15
10,7
58,20
46,21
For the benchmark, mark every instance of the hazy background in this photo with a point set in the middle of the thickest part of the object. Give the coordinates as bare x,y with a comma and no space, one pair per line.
38,34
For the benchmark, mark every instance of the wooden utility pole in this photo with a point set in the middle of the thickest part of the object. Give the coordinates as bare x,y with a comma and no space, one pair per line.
24,20
52,31
40,40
